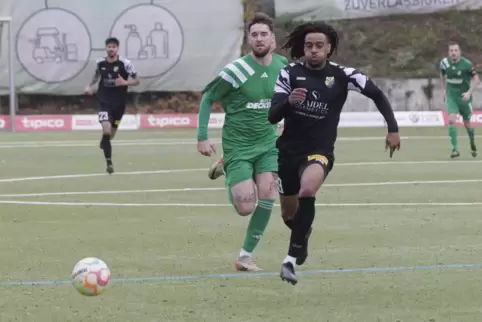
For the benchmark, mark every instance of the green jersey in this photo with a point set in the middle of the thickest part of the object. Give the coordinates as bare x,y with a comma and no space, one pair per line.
457,75
245,89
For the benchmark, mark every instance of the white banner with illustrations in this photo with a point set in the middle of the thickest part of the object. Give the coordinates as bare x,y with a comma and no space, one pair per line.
174,45
307,10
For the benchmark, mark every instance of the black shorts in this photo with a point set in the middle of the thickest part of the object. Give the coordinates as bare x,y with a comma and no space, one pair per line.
111,113
291,168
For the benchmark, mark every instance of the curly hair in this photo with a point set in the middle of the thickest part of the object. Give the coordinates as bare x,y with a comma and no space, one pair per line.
296,39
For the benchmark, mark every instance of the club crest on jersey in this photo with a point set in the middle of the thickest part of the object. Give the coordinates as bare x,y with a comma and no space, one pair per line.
330,81
116,68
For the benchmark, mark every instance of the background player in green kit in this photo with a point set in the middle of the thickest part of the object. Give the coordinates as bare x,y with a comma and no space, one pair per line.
459,79
244,88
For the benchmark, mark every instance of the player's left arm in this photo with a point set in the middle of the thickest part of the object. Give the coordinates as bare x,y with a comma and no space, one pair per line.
133,78
474,79
360,83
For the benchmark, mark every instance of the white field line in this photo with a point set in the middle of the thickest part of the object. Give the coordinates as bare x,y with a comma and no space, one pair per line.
348,164
88,175
106,204
166,141
95,144
115,192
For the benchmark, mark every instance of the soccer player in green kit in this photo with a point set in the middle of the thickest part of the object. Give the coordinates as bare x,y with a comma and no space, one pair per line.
244,88
459,79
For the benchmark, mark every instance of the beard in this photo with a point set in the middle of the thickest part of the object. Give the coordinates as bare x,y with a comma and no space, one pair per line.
261,53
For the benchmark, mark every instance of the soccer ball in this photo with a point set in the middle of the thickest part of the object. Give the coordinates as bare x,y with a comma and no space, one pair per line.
90,276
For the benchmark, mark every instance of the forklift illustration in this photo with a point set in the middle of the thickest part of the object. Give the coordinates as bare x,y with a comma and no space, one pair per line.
50,46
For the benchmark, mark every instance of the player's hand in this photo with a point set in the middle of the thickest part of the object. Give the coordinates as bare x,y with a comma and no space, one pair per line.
206,147
119,81
466,96
88,90
298,95
392,142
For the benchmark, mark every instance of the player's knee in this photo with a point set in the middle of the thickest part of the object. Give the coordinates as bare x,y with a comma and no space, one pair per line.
307,192
268,190
467,124
244,200
452,119
245,208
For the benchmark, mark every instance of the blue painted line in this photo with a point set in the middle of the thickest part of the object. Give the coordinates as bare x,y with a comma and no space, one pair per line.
261,274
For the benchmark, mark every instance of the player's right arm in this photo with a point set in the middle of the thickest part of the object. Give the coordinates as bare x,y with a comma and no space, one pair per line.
443,70
89,89
284,96
225,83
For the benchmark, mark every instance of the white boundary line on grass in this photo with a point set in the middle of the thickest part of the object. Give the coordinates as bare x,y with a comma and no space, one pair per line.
107,204
349,164
115,192
168,141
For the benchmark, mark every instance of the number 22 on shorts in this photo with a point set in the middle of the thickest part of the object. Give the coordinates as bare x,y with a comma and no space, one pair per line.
103,116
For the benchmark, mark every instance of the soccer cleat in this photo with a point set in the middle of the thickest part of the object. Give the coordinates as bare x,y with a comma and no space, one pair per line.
110,168
473,147
301,260
454,154
216,170
246,264
288,273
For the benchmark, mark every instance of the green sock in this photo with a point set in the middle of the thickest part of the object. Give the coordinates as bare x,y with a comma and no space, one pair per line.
453,136
257,224
471,133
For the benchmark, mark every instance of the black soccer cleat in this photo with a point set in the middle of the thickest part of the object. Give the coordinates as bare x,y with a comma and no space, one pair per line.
110,168
474,153
301,260
288,273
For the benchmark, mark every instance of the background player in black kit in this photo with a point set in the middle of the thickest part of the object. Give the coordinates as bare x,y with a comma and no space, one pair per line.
113,72
309,95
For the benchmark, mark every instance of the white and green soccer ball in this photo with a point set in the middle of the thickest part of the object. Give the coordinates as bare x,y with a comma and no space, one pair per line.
91,276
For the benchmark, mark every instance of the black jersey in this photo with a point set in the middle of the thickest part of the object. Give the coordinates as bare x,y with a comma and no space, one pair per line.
108,92
312,125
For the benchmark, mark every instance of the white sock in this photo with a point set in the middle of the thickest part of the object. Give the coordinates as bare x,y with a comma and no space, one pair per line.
244,253
291,260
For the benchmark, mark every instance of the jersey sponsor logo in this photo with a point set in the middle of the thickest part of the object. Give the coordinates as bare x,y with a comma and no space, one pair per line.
318,158
312,107
330,81
264,75
455,80
260,105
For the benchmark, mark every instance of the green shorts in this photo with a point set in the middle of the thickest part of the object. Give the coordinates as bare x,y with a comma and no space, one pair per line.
239,168
458,106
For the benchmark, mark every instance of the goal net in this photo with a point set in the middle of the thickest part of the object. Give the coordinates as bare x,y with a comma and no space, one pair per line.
7,60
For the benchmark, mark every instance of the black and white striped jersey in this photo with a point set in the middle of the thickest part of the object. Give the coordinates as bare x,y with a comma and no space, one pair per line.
107,72
312,125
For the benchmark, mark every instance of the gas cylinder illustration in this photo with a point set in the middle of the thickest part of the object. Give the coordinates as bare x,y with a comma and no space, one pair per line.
156,45
133,43
159,39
